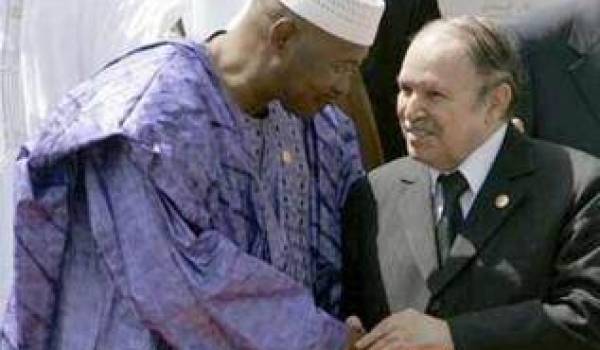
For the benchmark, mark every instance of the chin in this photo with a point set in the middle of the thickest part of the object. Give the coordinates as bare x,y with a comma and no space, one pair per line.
305,110
415,155
414,150
419,155
427,162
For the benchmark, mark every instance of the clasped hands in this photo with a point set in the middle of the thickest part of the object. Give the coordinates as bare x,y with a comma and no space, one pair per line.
405,330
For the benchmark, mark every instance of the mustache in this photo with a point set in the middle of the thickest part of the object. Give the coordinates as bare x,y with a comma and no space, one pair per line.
423,126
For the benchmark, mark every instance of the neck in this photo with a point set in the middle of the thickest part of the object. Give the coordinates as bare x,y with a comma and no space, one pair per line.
486,137
241,71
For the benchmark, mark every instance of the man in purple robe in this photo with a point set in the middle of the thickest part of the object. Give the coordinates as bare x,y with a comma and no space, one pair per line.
190,196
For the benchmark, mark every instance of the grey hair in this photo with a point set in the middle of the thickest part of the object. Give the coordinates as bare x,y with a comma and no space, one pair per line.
491,49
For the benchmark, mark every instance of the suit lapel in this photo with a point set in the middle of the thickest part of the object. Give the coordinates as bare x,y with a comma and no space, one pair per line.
415,214
502,191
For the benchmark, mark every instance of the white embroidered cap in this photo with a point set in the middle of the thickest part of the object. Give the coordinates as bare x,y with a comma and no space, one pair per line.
355,21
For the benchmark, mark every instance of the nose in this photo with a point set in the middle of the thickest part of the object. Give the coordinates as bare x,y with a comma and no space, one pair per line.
409,106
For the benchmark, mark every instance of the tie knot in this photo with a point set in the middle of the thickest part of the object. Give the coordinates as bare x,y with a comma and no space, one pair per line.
453,184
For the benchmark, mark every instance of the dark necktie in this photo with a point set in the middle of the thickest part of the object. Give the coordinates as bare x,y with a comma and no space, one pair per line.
451,221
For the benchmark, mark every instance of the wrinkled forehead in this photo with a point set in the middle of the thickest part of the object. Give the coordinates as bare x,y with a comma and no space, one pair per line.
435,54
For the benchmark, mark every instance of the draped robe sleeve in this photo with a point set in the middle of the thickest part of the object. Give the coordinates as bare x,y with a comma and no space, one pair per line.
119,236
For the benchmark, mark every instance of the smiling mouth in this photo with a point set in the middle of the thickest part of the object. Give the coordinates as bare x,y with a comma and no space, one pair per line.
418,132
322,102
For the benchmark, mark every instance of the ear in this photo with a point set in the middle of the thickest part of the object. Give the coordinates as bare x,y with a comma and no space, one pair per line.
499,101
281,33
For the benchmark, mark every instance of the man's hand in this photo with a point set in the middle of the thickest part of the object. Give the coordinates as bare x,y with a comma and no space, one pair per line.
356,331
408,330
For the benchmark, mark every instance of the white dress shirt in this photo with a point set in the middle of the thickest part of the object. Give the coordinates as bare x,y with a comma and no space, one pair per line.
474,168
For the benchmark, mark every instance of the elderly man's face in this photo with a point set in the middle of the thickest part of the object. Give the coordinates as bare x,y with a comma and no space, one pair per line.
440,111
320,73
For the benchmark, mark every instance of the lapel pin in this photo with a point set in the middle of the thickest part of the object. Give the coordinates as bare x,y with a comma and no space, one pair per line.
286,156
502,201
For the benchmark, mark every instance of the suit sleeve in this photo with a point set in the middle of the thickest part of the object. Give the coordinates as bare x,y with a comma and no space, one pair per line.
567,317
356,223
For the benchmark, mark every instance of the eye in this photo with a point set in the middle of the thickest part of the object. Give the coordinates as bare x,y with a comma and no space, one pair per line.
405,89
435,94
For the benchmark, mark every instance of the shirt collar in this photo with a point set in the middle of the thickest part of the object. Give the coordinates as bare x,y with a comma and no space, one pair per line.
478,164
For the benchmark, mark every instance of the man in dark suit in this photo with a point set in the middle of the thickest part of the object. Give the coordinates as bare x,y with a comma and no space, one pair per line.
482,238
560,45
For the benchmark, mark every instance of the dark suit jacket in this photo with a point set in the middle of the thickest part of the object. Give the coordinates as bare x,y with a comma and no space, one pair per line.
523,275
560,46
402,19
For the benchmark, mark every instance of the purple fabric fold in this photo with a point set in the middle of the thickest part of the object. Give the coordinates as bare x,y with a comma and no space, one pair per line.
146,221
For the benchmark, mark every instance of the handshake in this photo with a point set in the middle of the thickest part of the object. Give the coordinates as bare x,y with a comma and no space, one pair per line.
405,330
